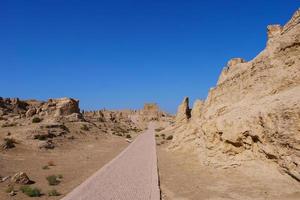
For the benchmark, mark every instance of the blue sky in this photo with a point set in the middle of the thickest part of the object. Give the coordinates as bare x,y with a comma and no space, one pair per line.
119,54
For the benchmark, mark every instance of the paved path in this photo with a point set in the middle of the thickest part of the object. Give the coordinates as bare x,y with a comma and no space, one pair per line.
132,175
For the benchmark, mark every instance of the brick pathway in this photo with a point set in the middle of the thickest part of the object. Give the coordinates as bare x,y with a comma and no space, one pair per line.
132,175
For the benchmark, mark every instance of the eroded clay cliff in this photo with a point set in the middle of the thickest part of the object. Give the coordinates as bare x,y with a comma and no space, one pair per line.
254,110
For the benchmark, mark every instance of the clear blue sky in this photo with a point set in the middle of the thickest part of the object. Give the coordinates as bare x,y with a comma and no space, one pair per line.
120,54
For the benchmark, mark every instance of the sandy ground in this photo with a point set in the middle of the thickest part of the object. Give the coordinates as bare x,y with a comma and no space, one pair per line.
182,177
75,160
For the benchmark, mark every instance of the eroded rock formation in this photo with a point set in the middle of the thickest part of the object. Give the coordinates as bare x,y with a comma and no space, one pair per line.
28,108
183,111
128,119
254,110
197,109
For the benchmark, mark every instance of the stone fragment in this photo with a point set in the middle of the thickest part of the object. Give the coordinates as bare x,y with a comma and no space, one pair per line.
21,178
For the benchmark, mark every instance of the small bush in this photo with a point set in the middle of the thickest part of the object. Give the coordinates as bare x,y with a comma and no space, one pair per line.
9,143
84,127
2,118
31,192
53,192
170,137
60,176
36,120
52,180
135,129
9,125
45,167
9,189
128,136
159,129
64,128
119,134
71,137
156,135
120,130
40,137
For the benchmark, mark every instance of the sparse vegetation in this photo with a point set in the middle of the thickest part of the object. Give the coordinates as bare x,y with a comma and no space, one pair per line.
31,192
45,167
9,189
53,180
65,128
71,137
84,127
9,143
36,120
135,129
159,129
40,137
8,125
170,137
120,130
128,136
2,118
53,192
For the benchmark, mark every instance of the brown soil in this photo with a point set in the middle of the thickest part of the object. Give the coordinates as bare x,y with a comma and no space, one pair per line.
183,177
75,160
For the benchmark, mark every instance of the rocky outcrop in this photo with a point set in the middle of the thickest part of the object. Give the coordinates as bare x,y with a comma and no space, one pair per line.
59,107
197,109
54,108
46,144
294,21
273,31
12,106
21,178
254,110
127,120
232,67
30,112
183,111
